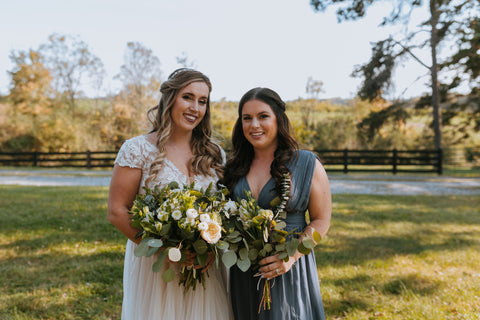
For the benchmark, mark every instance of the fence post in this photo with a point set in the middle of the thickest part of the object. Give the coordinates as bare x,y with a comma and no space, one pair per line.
394,161
345,160
35,158
89,160
439,154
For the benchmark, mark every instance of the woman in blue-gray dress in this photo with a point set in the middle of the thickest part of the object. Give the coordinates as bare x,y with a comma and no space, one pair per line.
263,151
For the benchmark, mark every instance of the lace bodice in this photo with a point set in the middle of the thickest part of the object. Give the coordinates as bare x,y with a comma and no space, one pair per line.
138,152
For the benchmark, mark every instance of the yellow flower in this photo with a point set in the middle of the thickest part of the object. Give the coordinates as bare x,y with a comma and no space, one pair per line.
213,233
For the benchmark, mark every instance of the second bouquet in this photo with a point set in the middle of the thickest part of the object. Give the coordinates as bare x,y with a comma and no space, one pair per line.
183,224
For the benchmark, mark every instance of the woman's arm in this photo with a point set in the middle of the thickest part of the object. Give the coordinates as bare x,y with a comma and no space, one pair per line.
123,190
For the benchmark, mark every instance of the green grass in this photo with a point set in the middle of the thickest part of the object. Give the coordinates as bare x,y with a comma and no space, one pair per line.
385,257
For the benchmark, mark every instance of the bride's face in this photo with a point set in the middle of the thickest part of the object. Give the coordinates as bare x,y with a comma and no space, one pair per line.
190,106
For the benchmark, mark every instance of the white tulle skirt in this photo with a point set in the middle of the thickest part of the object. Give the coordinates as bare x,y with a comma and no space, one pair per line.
147,297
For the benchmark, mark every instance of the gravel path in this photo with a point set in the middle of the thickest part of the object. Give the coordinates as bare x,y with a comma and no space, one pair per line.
352,184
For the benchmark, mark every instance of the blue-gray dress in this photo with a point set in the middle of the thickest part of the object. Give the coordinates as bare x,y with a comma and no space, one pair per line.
295,294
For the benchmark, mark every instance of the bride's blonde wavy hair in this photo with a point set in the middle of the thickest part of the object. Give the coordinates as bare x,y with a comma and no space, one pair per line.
207,155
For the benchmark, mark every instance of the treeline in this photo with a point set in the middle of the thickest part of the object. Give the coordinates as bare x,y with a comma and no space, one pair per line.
47,111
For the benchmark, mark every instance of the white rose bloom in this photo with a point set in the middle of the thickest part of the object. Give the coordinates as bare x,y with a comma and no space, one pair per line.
204,217
192,213
213,233
202,226
231,205
190,221
266,214
174,254
177,214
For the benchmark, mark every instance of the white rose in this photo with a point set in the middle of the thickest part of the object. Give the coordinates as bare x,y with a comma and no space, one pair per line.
174,254
177,215
213,233
204,217
202,226
266,214
192,213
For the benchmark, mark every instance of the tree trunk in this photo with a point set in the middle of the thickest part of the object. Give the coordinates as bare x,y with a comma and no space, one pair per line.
434,73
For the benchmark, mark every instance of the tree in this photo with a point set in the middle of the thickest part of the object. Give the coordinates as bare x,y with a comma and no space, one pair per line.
313,90
71,63
31,88
446,19
140,75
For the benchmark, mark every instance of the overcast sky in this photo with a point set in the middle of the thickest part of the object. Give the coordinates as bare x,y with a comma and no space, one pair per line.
238,44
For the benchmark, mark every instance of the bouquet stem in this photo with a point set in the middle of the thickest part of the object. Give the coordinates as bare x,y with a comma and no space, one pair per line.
266,297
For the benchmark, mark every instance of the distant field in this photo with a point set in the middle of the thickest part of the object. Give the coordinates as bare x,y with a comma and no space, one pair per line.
385,257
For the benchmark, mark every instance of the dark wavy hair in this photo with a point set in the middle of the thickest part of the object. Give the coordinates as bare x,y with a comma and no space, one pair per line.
242,151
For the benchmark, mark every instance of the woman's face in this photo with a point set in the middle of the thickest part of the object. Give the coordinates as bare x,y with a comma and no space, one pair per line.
190,106
259,125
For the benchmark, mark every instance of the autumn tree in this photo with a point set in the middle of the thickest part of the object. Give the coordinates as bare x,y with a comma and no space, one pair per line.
140,75
72,65
31,81
447,18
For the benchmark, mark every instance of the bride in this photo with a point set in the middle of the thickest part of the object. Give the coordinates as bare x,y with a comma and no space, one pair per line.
178,148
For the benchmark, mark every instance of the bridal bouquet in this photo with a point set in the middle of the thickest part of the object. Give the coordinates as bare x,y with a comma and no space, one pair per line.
254,233
181,223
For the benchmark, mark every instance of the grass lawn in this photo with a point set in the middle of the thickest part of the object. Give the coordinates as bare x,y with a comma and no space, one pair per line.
385,257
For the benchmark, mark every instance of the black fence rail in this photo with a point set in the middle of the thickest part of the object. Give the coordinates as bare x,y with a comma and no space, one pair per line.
393,161
87,159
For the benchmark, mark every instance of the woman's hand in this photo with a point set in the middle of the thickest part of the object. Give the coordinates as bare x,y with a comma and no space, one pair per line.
272,267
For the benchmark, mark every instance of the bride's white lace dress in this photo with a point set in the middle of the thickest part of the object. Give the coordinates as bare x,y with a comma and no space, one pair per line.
146,295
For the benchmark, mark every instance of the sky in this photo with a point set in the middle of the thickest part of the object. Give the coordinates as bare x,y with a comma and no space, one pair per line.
239,44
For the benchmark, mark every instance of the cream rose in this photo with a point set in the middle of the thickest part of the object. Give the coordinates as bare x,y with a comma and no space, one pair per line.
213,233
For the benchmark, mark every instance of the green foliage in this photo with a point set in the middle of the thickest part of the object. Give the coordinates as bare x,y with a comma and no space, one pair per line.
388,257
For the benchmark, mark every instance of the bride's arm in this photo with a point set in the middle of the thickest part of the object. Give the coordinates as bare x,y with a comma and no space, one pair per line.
123,190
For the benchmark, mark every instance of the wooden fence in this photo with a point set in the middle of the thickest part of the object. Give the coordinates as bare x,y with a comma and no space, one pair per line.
87,159
345,161
394,161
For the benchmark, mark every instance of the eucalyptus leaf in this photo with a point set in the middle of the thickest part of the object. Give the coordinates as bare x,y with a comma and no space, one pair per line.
200,246
168,275
280,247
243,254
268,247
151,251
142,249
308,243
222,245
292,246
165,229
302,249
253,254
282,256
244,264
317,237
155,243
280,225
158,265
232,235
235,240
229,258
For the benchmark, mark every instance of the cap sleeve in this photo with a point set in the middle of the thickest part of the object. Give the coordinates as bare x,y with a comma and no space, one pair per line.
130,155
